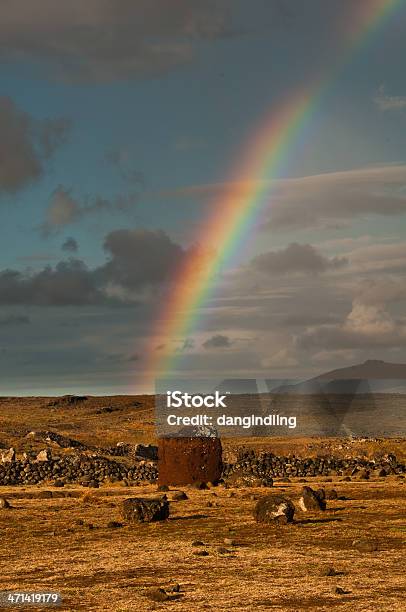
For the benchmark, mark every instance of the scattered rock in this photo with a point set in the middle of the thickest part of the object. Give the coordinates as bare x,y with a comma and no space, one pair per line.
311,500
329,571
223,551
163,488
67,400
179,496
58,483
106,410
229,542
144,510
331,494
321,494
157,594
201,486
197,543
239,478
274,509
365,545
45,495
114,525
362,474
341,591
4,504
201,553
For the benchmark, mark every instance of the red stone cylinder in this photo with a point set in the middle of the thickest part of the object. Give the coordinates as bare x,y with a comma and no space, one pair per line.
183,461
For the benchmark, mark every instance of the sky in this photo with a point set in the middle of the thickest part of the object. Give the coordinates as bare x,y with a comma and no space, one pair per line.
120,126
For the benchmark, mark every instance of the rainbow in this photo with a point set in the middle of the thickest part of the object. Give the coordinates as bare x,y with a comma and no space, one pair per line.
262,160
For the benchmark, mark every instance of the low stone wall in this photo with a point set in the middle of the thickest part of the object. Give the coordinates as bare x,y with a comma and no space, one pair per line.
74,470
92,471
269,465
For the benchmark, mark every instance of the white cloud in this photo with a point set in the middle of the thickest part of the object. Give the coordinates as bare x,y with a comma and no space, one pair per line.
385,102
323,200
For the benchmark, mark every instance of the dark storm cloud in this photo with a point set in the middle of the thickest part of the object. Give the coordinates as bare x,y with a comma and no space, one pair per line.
137,259
100,40
296,258
217,342
70,245
140,258
69,283
25,144
14,320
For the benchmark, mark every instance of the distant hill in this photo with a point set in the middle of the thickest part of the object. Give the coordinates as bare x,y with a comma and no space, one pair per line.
372,376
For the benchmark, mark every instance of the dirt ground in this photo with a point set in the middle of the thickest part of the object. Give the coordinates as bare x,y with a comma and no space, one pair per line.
63,543
100,568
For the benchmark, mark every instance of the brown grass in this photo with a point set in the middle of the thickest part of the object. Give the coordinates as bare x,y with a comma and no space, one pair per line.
64,544
281,569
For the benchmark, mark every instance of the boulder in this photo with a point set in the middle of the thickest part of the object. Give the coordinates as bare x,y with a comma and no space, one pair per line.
144,510
179,496
362,474
365,545
239,478
4,504
274,509
157,594
311,500
183,461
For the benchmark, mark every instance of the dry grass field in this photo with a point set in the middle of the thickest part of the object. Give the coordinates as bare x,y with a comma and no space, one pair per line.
63,543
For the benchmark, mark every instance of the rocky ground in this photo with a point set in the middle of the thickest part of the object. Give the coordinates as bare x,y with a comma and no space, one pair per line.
63,526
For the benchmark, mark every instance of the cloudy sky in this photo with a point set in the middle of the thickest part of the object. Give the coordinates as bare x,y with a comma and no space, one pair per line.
120,123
